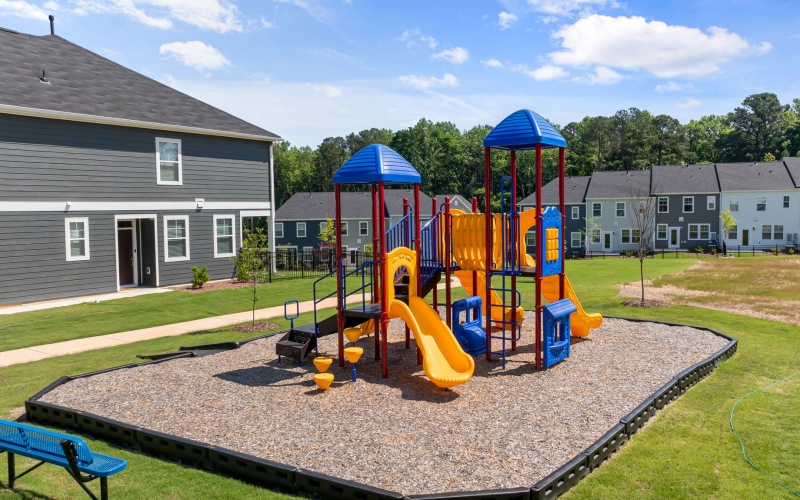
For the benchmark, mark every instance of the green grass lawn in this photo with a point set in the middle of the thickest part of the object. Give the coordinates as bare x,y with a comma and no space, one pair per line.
688,450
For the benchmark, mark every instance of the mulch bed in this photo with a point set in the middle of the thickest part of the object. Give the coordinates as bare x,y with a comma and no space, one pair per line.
258,326
214,285
647,304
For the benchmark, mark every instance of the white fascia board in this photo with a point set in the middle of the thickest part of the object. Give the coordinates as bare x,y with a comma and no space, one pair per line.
67,206
125,122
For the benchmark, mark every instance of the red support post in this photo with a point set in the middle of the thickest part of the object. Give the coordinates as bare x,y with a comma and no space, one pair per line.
487,181
447,262
384,304
376,284
337,192
539,238
562,208
418,249
435,250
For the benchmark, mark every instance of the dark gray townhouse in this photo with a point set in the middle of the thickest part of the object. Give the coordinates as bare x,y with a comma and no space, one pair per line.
111,179
687,206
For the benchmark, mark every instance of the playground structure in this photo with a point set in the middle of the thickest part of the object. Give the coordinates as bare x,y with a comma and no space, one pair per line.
486,252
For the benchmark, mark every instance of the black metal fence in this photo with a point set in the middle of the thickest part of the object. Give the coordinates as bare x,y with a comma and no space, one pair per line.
290,263
678,253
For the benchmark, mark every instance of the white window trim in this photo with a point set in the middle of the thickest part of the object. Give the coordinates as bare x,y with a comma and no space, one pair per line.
699,232
787,202
616,210
68,240
278,225
731,202
576,213
666,232
757,203
232,217
592,234
158,163
297,230
345,228
572,237
601,208
711,203
167,258
775,232
622,236
658,204
683,204
366,228
769,237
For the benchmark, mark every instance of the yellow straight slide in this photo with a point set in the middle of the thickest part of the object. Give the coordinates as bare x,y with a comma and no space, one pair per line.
465,277
580,321
443,360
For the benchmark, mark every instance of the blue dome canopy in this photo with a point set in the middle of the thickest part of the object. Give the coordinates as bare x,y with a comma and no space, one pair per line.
524,129
376,163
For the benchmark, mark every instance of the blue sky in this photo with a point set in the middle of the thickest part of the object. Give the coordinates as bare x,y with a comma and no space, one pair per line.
309,69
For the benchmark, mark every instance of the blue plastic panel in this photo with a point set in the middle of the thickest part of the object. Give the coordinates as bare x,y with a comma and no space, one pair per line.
552,240
524,129
376,163
557,331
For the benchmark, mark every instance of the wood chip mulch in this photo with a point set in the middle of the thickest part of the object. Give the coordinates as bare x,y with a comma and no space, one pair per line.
502,429
258,326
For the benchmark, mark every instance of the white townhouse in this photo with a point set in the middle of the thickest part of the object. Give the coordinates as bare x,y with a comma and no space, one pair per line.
609,197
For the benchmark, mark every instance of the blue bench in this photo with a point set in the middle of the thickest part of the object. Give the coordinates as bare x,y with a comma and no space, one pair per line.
63,450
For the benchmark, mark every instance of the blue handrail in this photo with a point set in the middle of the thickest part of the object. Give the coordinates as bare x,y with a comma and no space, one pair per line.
430,247
510,236
399,235
365,284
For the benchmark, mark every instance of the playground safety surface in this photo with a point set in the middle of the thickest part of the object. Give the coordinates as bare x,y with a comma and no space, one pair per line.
502,429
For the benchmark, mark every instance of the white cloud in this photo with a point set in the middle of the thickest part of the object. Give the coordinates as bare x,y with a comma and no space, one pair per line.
265,24
672,87
764,48
20,8
457,55
327,91
506,19
415,38
195,54
429,82
689,103
543,73
492,63
567,7
603,76
633,43
215,15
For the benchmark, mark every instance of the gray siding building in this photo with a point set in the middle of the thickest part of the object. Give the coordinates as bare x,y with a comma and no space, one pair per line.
609,199
111,179
575,203
687,206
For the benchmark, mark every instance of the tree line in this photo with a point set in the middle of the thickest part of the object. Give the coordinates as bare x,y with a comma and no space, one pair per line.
451,161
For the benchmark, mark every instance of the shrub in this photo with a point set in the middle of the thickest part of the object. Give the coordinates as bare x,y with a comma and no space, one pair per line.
713,251
628,253
790,251
698,249
200,277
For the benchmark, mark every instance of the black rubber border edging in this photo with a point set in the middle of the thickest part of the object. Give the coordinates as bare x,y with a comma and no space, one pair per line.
273,474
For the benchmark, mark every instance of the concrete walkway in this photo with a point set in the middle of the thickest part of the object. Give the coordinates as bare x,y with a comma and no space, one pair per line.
36,353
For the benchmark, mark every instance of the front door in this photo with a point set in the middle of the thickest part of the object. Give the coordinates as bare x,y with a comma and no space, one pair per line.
745,237
674,237
606,241
125,260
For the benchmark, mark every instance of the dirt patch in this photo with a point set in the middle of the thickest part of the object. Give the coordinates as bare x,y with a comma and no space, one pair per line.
259,326
213,285
15,414
648,303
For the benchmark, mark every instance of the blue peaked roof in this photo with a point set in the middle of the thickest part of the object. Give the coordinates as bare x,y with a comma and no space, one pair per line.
524,129
376,163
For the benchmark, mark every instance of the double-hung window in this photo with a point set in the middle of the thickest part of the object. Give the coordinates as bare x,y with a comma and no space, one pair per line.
711,203
176,238
761,204
663,205
363,228
699,231
595,235
76,232
278,230
575,239
785,202
778,235
224,244
734,206
661,232
344,227
733,232
688,204
576,213
300,230
169,168
625,236
766,232
620,209
597,209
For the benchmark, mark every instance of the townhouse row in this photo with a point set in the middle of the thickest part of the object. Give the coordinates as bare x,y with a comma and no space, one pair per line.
686,202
